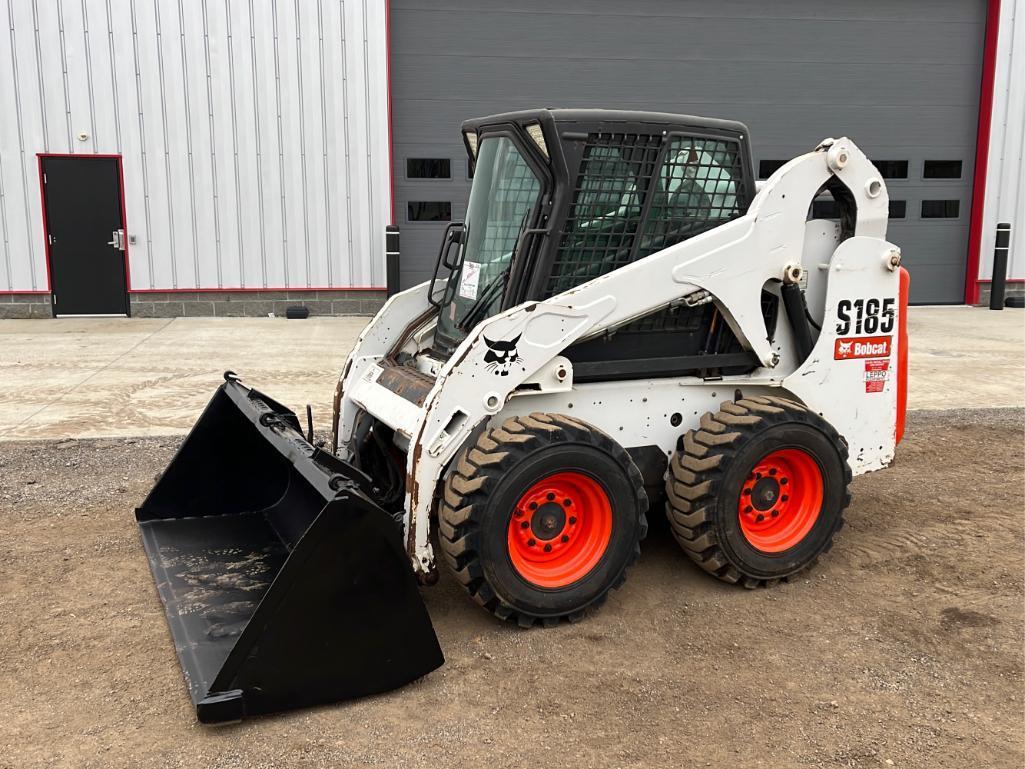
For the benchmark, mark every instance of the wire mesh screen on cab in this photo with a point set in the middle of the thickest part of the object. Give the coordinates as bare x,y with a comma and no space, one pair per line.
627,205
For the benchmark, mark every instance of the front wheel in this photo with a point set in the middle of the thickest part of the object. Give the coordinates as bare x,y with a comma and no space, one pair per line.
758,491
541,518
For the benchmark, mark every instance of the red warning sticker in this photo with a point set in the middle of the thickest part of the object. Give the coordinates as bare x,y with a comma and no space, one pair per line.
876,373
862,347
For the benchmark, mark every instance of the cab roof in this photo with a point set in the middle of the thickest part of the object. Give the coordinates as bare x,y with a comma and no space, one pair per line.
606,120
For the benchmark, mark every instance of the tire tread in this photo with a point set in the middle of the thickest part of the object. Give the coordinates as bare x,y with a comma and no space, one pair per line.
476,471
696,470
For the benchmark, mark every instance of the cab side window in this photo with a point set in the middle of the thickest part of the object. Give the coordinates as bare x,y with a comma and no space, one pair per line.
698,188
608,201
612,222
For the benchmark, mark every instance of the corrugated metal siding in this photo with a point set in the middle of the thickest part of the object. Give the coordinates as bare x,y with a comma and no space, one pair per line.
1005,181
254,135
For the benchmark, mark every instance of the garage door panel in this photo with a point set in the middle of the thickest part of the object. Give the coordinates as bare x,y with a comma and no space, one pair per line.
876,10
823,41
891,75
774,128
898,125
762,82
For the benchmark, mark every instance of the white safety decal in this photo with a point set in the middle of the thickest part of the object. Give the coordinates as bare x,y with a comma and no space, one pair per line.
877,371
470,280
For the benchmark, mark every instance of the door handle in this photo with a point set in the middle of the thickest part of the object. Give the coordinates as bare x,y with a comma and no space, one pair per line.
119,240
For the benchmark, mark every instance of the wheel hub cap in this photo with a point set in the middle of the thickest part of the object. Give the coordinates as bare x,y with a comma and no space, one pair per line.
549,521
765,493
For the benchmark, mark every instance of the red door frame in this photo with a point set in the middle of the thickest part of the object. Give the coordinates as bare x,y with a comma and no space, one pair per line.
40,156
989,64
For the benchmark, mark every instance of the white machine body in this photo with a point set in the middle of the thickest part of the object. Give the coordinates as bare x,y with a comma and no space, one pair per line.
851,376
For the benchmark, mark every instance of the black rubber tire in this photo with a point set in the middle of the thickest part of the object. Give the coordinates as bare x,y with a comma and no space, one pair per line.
480,494
707,472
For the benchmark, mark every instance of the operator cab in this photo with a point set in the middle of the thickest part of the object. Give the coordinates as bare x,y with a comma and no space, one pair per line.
560,197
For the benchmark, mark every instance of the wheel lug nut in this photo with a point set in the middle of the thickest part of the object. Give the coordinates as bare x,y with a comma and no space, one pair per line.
525,525
518,513
785,497
565,538
759,518
548,548
758,476
572,520
784,481
531,542
773,471
747,492
551,496
748,509
775,513
533,505
567,502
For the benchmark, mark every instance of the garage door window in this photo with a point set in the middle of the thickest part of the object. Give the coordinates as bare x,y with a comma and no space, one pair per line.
429,211
428,168
892,169
941,169
941,209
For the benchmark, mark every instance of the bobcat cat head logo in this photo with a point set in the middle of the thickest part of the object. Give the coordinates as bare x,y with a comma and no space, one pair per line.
845,348
501,355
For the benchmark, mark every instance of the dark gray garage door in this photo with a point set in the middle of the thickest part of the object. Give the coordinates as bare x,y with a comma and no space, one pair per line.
901,77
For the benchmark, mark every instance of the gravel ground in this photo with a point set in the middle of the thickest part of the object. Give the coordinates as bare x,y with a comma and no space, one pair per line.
903,647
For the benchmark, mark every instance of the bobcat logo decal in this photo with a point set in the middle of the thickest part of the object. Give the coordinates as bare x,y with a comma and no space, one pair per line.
501,355
844,348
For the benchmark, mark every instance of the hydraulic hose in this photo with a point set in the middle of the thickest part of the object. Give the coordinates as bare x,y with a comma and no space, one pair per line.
797,314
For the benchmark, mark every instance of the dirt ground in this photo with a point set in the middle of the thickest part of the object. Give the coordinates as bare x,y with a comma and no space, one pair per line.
903,647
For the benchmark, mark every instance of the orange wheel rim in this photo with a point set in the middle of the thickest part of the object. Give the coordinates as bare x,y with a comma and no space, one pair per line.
780,500
560,529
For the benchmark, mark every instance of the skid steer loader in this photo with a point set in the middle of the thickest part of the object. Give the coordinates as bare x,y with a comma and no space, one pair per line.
622,319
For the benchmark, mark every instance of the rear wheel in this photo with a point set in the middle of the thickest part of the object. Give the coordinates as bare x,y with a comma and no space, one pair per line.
542,517
758,491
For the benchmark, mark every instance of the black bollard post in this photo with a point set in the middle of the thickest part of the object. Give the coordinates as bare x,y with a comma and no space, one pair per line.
391,251
998,287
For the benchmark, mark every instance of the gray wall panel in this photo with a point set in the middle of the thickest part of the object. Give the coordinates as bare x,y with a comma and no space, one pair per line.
901,78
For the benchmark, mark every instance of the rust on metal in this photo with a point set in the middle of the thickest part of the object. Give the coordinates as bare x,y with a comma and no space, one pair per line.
411,328
336,407
404,381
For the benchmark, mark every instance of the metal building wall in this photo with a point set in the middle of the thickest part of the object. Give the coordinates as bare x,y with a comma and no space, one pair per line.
1005,181
254,135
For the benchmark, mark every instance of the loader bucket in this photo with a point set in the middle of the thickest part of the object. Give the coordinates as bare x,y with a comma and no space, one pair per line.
284,584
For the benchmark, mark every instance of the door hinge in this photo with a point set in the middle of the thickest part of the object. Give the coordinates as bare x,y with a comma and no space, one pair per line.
55,299
44,177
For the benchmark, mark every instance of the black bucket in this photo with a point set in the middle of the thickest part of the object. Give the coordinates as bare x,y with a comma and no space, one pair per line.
284,584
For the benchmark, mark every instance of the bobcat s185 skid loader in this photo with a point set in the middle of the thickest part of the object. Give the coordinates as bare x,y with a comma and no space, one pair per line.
622,320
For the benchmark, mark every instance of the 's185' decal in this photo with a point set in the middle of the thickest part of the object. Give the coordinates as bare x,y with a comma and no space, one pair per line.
865,316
